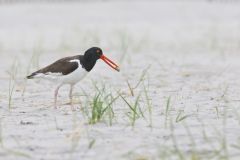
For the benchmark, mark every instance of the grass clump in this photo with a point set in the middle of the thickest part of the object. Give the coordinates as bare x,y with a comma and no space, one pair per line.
97,110
102,107
135,110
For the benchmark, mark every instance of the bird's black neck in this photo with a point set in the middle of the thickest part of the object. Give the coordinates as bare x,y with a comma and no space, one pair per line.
87,62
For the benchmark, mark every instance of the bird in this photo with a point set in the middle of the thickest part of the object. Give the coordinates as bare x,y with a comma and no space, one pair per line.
70,70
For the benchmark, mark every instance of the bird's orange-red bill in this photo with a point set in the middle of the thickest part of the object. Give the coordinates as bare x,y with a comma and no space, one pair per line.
110,63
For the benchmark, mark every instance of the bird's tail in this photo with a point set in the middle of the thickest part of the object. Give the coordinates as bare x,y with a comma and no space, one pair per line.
31,76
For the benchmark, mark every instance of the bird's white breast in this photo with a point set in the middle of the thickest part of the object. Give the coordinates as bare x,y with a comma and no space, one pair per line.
73,77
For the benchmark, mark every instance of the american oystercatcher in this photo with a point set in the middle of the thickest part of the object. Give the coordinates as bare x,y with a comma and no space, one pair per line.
70,70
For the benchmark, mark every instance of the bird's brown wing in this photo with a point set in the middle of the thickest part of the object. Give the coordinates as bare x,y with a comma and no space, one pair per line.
62,66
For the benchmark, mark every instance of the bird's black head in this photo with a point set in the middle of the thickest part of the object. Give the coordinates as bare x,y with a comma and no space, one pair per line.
92,55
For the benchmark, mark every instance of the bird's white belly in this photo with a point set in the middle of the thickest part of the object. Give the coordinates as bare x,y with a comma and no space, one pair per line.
73,77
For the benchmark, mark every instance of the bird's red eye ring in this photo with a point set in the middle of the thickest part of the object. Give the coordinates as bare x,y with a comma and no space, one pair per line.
98,51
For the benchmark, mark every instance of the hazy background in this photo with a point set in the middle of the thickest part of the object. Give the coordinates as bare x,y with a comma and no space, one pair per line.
119,27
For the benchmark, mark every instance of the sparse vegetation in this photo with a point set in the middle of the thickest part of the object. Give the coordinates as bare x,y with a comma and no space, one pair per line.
134,112
102,106
12,82
180,117
167,111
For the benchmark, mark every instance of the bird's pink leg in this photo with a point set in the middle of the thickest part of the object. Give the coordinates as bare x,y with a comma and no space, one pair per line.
70,96
55,96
